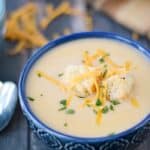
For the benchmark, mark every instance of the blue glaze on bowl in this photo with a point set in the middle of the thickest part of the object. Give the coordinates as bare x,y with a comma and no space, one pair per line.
56,140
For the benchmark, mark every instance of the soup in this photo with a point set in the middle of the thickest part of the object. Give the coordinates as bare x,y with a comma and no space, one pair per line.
90,87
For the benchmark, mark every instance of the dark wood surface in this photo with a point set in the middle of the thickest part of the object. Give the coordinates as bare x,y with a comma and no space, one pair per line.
17,136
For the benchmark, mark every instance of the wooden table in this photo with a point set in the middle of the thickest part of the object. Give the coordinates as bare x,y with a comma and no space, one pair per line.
17,136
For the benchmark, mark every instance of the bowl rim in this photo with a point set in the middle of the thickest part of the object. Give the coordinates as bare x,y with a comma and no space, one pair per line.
49,46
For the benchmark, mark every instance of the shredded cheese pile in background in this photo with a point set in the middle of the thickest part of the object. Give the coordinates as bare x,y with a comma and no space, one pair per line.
23,27
99,81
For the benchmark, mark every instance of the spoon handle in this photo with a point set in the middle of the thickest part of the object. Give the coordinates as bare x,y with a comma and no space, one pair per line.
8,100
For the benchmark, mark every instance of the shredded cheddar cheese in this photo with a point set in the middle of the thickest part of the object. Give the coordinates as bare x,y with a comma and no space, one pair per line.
62,9
52,80
69,99
21,26
87,59
86,102
99,99
97,89
103,94
134,102
99,117
128,65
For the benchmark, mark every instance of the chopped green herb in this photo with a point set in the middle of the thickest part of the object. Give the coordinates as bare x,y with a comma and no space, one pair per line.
98,102
115,102
39,75
81,97
60,74
105,66
64,105
111,107
94,111
61,109
105,110
111,134
30,98
104,73
63,102
65,124
101,60
70,111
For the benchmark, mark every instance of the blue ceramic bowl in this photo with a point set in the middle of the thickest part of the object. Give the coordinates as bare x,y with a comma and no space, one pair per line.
56,140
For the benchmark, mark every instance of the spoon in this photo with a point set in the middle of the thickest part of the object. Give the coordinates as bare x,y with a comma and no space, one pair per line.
8,100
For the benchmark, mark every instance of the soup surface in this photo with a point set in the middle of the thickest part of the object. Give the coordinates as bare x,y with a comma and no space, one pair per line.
110,93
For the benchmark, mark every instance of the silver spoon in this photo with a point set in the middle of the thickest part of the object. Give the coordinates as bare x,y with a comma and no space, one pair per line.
8,100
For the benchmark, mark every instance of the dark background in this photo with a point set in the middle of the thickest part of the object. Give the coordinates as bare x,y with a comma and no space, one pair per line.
17,136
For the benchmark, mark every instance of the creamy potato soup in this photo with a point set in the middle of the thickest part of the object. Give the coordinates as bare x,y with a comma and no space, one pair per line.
90,87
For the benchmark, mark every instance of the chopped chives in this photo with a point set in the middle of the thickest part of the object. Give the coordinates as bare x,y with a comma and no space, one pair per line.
64,105
115,102
39,74
101,60
81,97
111,107
105,110
98,102
60,74
70,111
65,124
30,98
63,102
62,108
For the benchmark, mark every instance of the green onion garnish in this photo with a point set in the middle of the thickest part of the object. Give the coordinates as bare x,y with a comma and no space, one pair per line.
65,124
111,107
81,97
30,98
70,111
63,102
62,108
115,102
64,105
39,74
98,102
101,60
60,74
105,110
